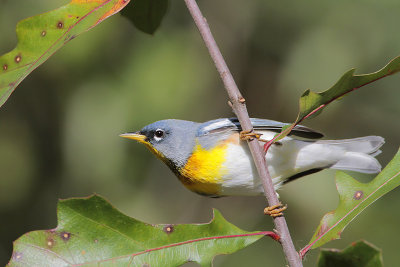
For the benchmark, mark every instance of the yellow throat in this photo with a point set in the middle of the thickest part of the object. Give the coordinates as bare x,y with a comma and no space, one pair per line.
204,170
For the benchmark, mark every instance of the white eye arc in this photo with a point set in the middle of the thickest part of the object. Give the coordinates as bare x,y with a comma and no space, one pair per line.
159,134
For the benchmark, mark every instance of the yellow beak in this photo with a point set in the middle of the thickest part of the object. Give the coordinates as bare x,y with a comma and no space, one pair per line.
143,139
135,136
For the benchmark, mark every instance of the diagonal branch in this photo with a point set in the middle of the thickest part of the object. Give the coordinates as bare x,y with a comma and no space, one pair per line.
239,107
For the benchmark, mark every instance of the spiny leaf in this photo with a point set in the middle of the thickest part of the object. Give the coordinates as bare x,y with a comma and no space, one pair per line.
312,104
146,15
354,197
41,36
91,232
359,254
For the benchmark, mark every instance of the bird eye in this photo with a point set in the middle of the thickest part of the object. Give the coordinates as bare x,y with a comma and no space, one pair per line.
158,134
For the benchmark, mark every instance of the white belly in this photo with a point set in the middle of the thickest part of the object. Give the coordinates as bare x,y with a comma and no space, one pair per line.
283,161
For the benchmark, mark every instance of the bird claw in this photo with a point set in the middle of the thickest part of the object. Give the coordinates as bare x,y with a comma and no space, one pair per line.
275,210
249,135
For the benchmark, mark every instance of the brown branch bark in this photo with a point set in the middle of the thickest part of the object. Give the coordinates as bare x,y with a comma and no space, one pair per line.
239,107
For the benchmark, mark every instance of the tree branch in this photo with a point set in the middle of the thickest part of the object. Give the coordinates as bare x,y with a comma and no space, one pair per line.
239,107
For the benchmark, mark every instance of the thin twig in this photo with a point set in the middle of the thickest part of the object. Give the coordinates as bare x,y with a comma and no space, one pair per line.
239,107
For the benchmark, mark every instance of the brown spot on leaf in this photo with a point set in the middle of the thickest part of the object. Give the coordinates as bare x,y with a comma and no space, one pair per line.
5,67
83,252
168,229
16,255
145,265
65,236
60,25
69,38
95,241
50,242
358,195
18,58
43,33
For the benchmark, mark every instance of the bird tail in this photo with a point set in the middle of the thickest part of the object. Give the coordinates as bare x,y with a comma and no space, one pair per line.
360,153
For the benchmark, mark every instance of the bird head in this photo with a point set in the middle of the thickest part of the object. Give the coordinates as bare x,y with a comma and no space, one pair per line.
170,140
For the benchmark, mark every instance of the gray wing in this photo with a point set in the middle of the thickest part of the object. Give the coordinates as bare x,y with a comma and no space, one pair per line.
221,125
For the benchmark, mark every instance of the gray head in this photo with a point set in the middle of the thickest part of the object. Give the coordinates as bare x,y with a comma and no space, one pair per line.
171,140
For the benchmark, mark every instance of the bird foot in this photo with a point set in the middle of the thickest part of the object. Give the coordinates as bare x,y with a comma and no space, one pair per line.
249,135
275,210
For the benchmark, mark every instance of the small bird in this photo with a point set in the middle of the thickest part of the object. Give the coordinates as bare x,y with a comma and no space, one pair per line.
211,158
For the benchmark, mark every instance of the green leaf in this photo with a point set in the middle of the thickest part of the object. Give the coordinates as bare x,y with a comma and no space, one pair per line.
359,254
91,232
41,36
311,104
146,15
354,197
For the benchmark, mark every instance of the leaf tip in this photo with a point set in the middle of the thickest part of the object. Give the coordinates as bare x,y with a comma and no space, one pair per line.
306,93
216,212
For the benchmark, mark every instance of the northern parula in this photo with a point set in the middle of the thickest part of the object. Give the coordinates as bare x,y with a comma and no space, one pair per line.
211,159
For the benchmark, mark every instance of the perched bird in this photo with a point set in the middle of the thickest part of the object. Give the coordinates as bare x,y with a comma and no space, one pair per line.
211,159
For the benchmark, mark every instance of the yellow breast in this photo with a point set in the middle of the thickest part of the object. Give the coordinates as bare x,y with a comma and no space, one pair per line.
204,170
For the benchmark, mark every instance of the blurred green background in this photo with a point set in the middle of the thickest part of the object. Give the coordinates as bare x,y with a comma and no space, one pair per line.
59,130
